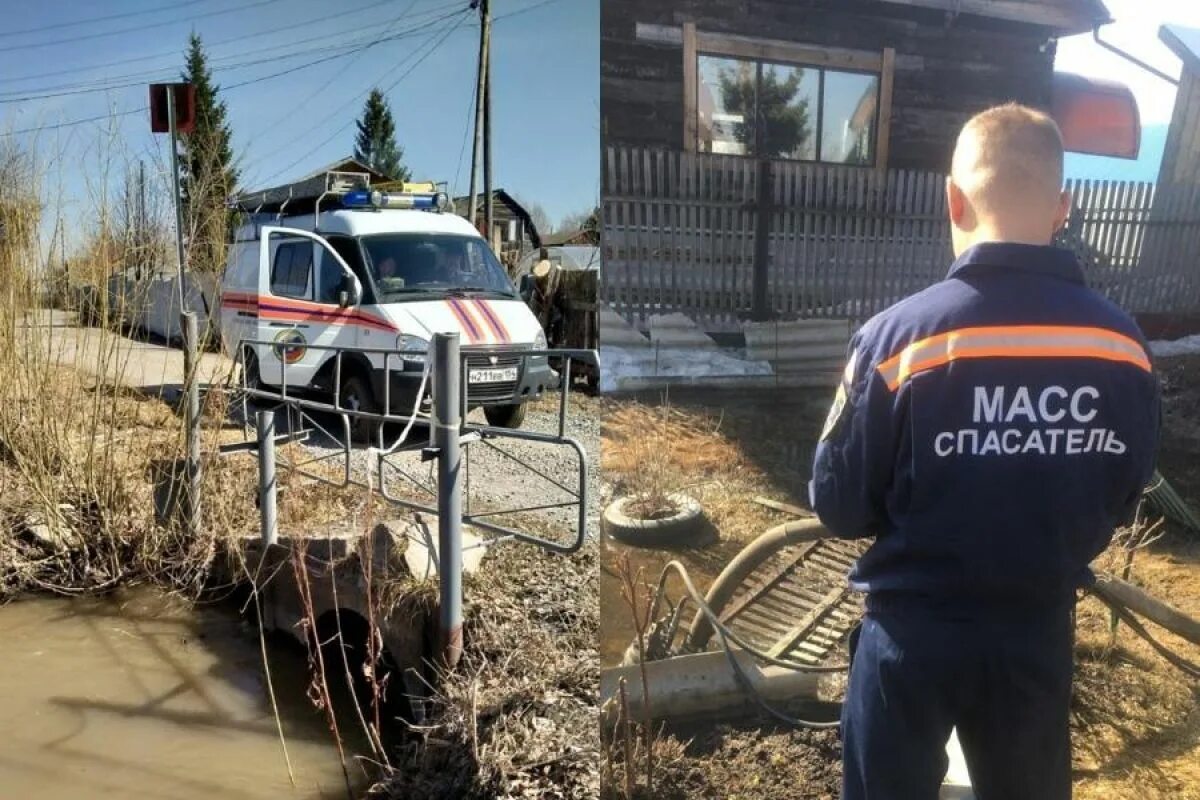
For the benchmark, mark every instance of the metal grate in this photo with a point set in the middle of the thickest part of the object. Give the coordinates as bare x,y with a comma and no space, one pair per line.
796,605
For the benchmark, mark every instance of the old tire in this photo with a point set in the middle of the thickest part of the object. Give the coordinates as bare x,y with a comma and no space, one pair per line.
505,416
355,395
687,526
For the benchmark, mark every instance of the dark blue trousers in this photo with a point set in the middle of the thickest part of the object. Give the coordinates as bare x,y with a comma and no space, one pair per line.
1005,684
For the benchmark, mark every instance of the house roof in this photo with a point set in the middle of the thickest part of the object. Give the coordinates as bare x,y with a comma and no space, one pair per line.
462,206
1061,17
1184,42
576,237
305,188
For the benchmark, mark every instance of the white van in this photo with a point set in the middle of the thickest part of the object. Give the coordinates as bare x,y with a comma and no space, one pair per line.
379,270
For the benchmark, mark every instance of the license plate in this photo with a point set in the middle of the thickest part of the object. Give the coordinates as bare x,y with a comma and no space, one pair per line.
502,375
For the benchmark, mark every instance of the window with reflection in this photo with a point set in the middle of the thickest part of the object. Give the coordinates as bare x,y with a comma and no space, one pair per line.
750,107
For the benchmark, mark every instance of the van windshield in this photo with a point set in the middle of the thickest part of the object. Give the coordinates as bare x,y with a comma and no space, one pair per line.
405,265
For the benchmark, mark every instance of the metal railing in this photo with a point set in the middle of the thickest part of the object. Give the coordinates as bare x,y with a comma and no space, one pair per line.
444,384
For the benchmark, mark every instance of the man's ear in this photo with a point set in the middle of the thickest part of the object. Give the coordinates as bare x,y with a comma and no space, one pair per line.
1063,211
956,203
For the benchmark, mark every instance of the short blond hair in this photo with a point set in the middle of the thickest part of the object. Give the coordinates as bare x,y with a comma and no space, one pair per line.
1008,155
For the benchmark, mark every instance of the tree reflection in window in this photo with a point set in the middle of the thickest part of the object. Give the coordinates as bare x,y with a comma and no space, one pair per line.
787,111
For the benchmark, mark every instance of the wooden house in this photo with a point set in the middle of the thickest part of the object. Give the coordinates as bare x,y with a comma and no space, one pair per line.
883,83
513,231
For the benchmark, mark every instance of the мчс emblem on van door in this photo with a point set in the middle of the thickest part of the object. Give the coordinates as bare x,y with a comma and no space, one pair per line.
290,346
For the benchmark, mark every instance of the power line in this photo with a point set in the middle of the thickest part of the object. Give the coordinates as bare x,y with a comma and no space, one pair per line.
273,125
138,29
140,109
139,79
211,45
90,20
450,29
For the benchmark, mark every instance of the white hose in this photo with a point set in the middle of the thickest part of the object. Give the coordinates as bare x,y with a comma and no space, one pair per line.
375,455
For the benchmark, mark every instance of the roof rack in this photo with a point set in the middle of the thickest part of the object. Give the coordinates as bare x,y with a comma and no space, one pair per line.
303,196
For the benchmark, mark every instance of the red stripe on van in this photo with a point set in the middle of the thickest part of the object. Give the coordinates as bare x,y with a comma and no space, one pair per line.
468,324
493,320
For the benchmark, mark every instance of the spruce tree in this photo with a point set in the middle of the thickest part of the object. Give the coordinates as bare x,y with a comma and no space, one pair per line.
208,174
375,145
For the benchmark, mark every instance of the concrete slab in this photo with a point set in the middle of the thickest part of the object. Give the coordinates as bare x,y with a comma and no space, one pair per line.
957,783
617,332
421,550
678,330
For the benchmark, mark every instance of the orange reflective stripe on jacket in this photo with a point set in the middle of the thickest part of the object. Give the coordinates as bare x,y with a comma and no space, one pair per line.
1011,341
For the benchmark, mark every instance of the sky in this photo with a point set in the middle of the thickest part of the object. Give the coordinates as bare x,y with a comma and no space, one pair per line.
545,64
423,52
1134,30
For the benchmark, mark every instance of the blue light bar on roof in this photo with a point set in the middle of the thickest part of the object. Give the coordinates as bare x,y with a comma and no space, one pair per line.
364,198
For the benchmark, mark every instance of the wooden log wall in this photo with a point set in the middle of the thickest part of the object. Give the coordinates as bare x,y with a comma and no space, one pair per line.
945,70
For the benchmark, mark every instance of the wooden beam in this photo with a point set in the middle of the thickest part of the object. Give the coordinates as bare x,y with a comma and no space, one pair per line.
883,126
778,50
1153,609
786,508
690,88
1046,15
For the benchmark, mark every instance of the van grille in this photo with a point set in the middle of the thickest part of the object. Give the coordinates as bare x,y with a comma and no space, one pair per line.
493,392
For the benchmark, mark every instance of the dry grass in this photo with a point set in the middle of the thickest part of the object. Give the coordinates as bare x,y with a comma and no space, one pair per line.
518,718
669,448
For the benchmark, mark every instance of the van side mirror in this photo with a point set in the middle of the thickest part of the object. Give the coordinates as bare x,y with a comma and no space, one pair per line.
526,286
348,292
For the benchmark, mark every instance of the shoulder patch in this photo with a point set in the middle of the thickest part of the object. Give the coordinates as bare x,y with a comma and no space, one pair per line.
835,412
838,409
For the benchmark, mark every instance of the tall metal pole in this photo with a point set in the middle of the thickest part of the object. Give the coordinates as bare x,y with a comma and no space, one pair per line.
446,420
191,338
191,343
487,119
176,193
265,424
484,48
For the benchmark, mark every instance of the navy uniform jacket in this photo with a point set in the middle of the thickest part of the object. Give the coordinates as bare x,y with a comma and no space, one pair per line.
990,431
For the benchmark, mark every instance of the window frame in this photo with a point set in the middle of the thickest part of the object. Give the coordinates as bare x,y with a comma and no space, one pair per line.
309,286
782,53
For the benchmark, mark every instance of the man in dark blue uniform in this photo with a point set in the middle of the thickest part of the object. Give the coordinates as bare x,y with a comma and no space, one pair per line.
990,432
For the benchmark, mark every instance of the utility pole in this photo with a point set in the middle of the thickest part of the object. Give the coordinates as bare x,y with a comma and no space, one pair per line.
485,32
487,125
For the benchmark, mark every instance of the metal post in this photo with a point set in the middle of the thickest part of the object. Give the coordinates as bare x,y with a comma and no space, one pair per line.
761,309
447,378
191,386
265,423
175,186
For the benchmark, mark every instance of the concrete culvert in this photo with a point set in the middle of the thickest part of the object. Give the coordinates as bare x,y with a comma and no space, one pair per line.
687,525
344,636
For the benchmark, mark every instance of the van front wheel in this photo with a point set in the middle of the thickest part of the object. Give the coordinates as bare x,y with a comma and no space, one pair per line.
355,395
506,416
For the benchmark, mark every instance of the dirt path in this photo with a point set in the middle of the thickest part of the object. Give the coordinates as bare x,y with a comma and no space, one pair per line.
119,358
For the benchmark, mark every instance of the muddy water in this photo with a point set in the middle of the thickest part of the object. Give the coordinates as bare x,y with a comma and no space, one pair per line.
141,695
616,624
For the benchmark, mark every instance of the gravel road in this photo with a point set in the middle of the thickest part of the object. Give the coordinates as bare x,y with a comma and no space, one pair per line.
496,479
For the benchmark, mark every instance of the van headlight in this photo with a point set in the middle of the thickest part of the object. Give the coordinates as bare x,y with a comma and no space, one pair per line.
539,341
412,348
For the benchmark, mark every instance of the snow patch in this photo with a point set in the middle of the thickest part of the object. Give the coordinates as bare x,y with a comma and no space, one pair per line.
1188,345
619,363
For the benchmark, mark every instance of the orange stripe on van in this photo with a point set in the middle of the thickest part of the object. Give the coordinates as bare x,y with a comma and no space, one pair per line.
1016,341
